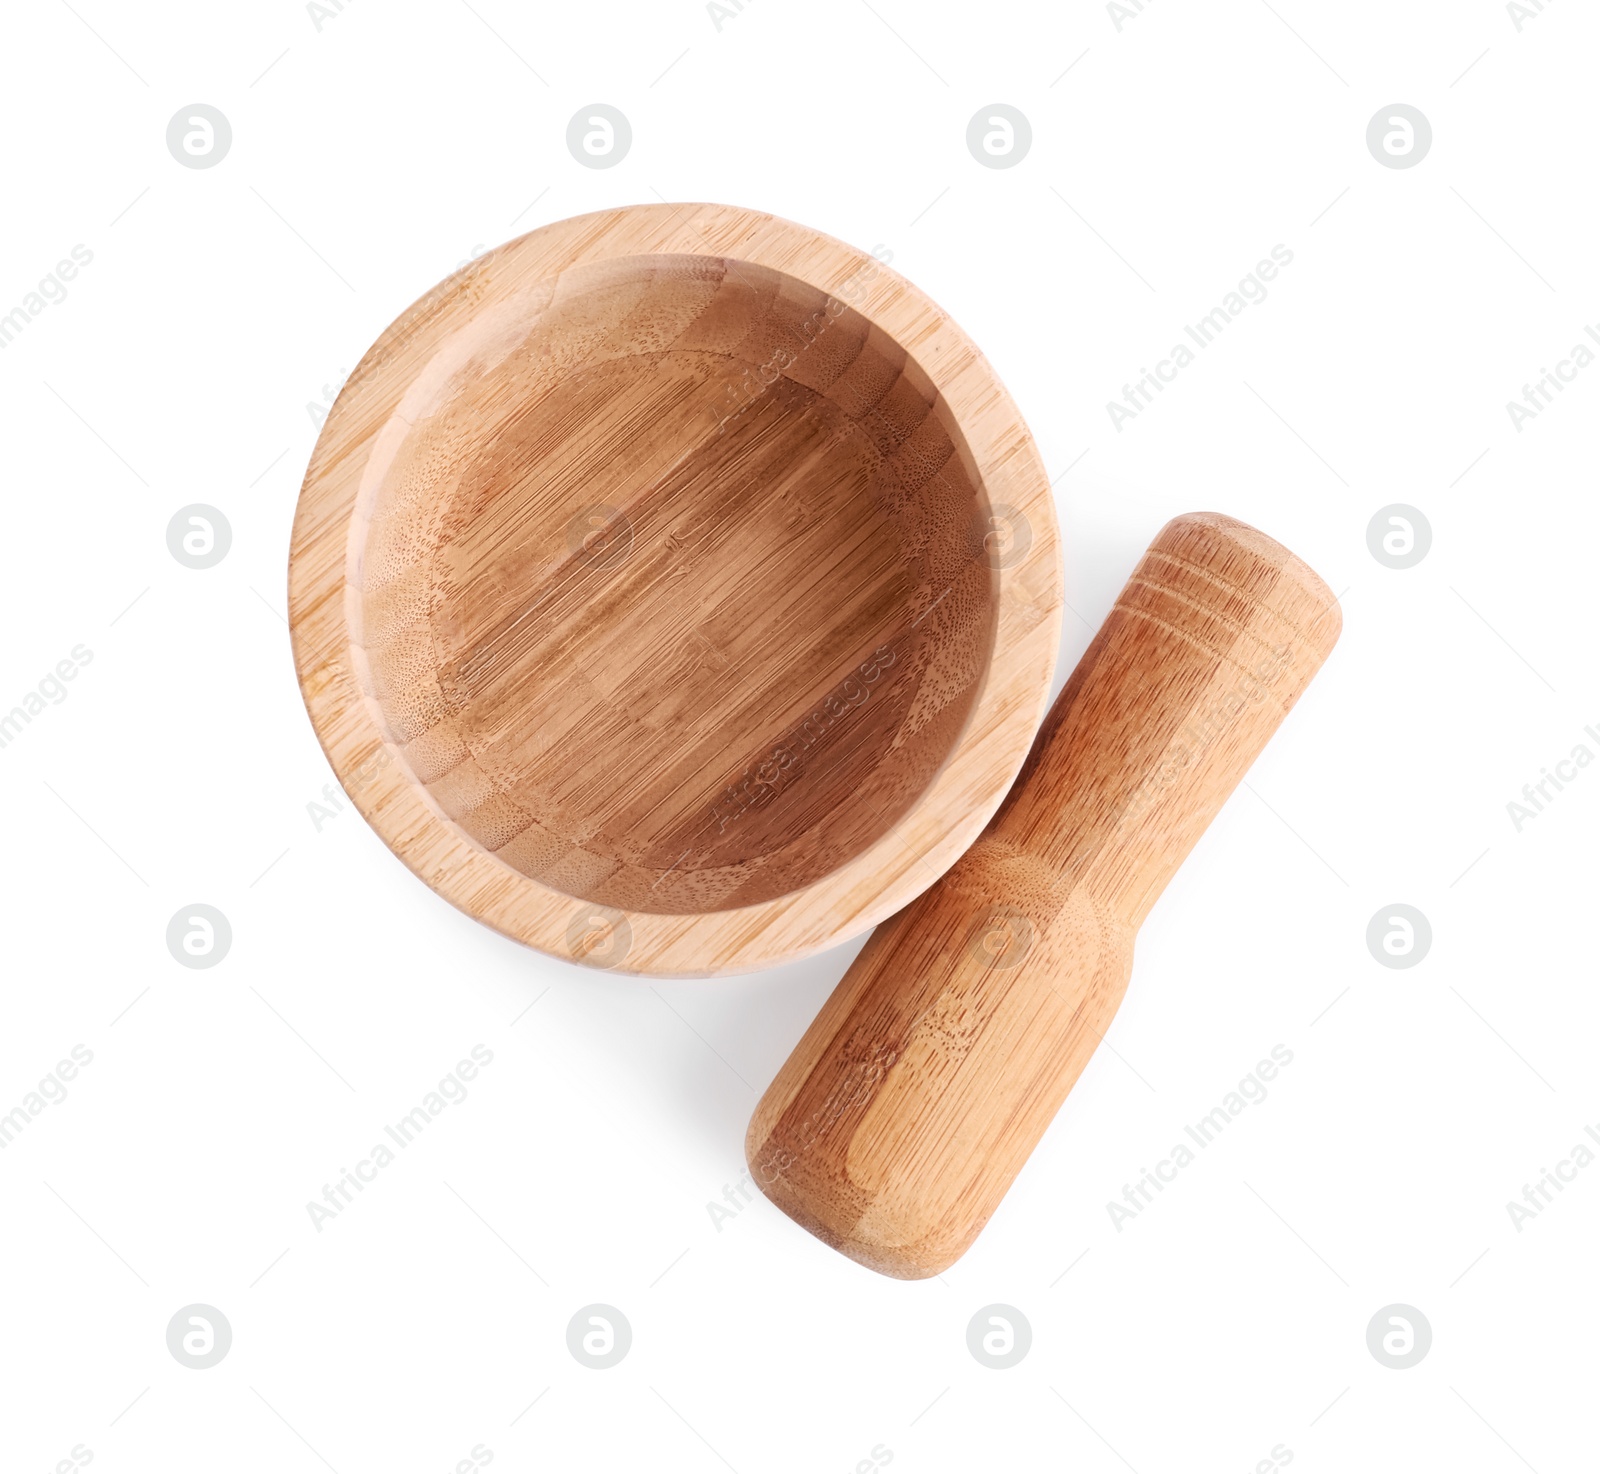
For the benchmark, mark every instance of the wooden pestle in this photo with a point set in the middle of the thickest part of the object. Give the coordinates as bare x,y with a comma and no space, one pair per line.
915,1097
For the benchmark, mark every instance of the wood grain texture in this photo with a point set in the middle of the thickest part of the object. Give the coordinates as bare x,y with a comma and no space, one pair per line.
918,1093
681,568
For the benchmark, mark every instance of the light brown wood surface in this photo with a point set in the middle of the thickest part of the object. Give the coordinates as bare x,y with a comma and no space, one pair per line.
675,589
918,1093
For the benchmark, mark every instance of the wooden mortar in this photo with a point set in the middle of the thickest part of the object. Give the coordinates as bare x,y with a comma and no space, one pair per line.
675,589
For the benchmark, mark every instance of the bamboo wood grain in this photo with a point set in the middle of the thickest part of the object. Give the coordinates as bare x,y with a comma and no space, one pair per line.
918,1093
680,569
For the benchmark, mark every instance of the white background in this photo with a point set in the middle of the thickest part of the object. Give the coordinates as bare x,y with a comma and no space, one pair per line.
369,158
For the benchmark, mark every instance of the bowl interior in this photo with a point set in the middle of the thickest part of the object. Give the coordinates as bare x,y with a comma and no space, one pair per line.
673,585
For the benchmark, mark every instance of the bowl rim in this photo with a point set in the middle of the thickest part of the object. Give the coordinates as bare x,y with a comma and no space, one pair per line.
891,872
